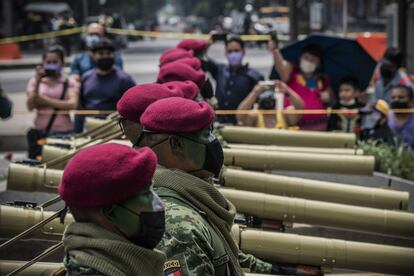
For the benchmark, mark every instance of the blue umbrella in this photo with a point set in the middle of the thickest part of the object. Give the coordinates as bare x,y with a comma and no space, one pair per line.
342,57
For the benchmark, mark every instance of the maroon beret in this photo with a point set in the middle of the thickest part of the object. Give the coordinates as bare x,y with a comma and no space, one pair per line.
106,174
193,44
174,54
177,115
193,62
136,99
177,71
188,88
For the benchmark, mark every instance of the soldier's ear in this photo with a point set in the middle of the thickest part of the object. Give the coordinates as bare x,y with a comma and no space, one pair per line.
177,145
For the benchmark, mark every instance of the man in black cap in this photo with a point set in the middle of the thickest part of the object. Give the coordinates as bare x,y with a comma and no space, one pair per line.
104,85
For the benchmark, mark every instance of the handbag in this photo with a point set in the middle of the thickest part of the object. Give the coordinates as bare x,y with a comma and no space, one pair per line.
36,138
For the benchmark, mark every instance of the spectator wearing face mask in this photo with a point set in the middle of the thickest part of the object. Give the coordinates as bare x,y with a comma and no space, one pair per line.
402,124
348,99
49,91
84,62
389,75
103,86
235,80
307,80
264,99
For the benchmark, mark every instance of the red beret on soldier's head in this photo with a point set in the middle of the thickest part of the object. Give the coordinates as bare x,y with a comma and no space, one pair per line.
177,115
174,54
136,99
106,174
177,71
189,89
196,45
193,62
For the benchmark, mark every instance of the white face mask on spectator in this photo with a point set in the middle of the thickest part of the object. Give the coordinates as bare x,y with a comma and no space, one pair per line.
307,67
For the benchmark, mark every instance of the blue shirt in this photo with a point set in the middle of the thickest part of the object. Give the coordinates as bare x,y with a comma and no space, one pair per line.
83,62
101,92
404,132
232,87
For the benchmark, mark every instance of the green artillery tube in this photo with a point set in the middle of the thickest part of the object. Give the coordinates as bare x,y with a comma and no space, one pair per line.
314,189
14,220
38,269
294,161
266,136
93,123
287,209
327,253
27,178
336,151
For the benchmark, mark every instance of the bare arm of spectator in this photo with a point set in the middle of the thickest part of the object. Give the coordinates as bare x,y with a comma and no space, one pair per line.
35,100
295,101
247,104
282,66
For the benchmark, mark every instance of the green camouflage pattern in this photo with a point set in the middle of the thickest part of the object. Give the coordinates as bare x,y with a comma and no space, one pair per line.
187,239
74,269
253,264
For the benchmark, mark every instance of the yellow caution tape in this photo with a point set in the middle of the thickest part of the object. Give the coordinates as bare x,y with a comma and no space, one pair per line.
38,36
226,112
76,30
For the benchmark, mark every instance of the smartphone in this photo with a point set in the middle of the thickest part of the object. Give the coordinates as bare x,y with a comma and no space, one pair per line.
270,84
219,37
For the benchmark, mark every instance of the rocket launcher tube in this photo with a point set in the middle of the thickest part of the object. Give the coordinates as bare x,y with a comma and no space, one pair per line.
14,220
280,137
336,151
294,161
327,253
314,189
394,223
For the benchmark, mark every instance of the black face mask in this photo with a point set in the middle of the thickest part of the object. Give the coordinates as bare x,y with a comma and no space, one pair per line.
214,157
266,100
207,91
152,229
400,105
105,63
386,72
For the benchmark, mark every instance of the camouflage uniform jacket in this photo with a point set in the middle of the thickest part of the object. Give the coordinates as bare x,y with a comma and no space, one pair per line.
191,245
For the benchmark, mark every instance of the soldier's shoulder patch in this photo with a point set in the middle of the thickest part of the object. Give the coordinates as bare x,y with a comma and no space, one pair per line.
172,268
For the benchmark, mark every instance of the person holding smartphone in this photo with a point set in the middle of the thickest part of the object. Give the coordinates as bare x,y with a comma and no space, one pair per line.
49,91
263,97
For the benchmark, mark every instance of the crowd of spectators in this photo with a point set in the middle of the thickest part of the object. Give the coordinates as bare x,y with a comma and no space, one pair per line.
97,81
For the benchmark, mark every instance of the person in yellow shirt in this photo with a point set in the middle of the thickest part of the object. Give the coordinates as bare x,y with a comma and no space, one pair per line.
263,98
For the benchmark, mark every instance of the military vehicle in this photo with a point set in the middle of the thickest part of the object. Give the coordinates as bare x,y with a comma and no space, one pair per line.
259,195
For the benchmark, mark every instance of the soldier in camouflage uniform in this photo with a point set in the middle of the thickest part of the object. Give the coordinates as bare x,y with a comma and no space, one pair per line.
118,218
198,218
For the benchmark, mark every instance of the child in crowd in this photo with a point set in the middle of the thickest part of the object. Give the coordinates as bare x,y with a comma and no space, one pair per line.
348,99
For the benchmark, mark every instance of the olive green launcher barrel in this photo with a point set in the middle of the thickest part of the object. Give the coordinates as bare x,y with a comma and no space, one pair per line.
14,220
336,151
386,222
264,136
327,253
294,161
27,178
314,189
38,269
